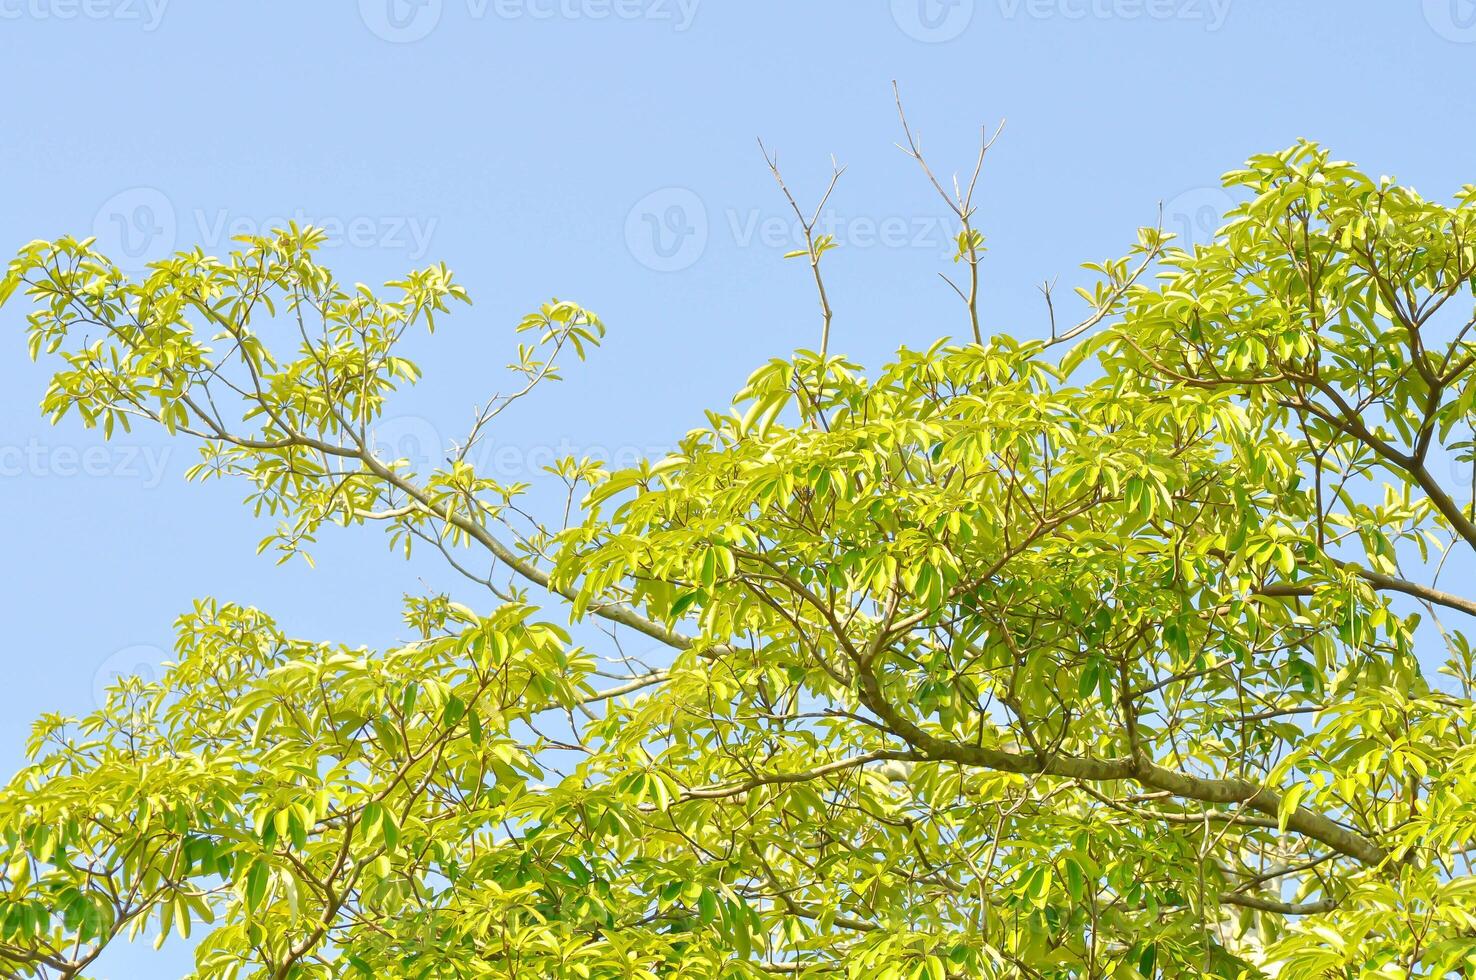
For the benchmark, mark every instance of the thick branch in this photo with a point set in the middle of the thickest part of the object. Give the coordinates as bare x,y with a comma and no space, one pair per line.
1142,770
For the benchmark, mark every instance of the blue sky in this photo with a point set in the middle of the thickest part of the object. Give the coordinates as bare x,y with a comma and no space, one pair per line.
604,151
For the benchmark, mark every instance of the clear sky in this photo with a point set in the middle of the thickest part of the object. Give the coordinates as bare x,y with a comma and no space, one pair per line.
604,151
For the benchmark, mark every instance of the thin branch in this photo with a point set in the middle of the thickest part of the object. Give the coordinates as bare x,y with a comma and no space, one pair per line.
961,202
807,226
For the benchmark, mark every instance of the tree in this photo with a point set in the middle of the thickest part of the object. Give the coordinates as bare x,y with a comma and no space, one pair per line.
1098,656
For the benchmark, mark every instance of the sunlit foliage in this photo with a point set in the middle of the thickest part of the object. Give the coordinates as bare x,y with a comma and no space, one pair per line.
1108,655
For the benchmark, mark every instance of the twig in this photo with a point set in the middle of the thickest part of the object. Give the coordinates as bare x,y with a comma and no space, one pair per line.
961,202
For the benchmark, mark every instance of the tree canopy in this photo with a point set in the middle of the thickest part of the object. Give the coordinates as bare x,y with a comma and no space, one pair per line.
1120,653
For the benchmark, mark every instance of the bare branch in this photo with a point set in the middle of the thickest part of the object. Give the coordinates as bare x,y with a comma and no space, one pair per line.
961,202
